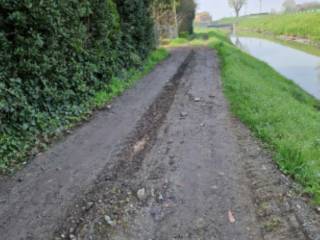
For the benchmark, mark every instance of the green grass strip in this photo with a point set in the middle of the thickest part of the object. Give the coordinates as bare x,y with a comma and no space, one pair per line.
303,24
276,110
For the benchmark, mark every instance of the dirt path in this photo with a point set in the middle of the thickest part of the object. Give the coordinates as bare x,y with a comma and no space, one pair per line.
167,162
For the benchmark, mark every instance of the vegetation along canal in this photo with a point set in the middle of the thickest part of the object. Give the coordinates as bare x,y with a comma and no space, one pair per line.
301,67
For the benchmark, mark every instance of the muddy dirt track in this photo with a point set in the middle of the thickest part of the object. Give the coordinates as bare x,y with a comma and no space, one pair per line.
167,161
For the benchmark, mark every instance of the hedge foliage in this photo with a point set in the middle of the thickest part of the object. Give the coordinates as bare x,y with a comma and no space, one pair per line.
55,55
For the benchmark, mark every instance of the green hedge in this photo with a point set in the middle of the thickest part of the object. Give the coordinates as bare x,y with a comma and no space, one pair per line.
139,37
55,55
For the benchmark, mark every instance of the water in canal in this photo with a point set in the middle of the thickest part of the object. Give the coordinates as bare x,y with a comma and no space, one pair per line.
301,67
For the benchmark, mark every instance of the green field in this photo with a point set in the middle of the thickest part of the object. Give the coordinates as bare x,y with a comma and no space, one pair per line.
232,20
227,20
279,112
304,25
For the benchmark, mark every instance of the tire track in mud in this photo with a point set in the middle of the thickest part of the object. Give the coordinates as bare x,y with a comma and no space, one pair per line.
282,210
187,173
205,152
194,161
36,199
113,189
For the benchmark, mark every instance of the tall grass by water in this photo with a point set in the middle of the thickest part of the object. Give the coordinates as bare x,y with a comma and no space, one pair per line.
305,25
279,112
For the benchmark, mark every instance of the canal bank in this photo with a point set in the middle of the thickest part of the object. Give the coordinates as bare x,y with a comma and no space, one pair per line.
279,112
303,67
300,27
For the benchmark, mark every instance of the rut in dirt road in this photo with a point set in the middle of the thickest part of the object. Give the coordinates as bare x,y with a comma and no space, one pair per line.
35,200
167,162
193,175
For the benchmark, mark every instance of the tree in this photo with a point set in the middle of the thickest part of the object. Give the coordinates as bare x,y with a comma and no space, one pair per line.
173,16
237,5
165,18
308,6
260,6
186,11
289,5
137,26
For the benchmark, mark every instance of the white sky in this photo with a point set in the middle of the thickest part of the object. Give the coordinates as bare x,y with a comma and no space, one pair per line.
220,8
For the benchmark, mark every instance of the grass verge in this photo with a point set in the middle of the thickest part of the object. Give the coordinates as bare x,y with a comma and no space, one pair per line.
279,112
12,158
300,24
305,25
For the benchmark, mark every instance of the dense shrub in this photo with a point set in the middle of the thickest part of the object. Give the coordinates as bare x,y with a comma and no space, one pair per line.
55,55
139,28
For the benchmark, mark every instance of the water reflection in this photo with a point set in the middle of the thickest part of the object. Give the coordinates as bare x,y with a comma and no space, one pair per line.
238,43
301,67
318,70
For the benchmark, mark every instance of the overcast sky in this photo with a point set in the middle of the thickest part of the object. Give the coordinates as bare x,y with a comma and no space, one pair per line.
220,8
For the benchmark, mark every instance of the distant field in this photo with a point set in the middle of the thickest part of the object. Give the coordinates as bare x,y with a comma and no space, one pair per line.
298,24
229,20
304,25
232,20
